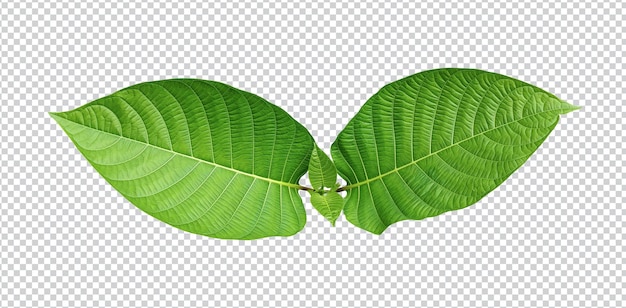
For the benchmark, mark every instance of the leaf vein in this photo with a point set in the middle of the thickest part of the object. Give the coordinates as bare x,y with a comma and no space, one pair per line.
188,196
210,206
287,184
443,149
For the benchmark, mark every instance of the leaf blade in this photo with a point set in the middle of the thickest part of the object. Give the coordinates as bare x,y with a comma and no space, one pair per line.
452,112
199,155
323,177
322,171
329,205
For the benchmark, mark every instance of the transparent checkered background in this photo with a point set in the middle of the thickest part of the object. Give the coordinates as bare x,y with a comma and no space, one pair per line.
551,236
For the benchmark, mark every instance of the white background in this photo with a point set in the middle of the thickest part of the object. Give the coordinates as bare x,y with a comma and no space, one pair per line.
551,236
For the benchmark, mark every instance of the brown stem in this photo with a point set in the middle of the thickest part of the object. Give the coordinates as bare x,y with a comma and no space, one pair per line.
306,188
340,189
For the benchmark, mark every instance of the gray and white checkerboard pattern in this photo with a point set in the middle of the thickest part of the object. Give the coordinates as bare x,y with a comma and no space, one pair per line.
551,236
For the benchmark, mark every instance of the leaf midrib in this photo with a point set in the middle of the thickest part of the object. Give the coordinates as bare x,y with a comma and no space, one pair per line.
287,184
380,176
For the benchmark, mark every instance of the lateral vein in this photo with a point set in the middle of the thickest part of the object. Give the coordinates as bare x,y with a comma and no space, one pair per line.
287,184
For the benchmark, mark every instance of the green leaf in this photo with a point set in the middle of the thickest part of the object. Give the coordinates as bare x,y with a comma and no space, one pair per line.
323,177
322,171
329,204
438,141
199,155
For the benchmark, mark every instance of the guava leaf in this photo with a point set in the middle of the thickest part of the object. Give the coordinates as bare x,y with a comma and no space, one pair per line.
439,141
322,171
329,204
199,155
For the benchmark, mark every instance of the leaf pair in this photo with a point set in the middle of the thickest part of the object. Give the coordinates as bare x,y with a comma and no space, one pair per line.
214,160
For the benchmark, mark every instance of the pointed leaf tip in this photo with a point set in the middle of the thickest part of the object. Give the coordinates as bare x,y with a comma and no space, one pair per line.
574,108
329,205
567,107
54,115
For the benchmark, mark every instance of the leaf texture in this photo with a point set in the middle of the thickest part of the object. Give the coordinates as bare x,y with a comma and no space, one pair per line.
323,177
322,171
329,204
199,155
438,141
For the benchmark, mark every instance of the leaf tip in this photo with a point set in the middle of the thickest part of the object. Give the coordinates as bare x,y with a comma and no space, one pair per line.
567,107
57,116
54,115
